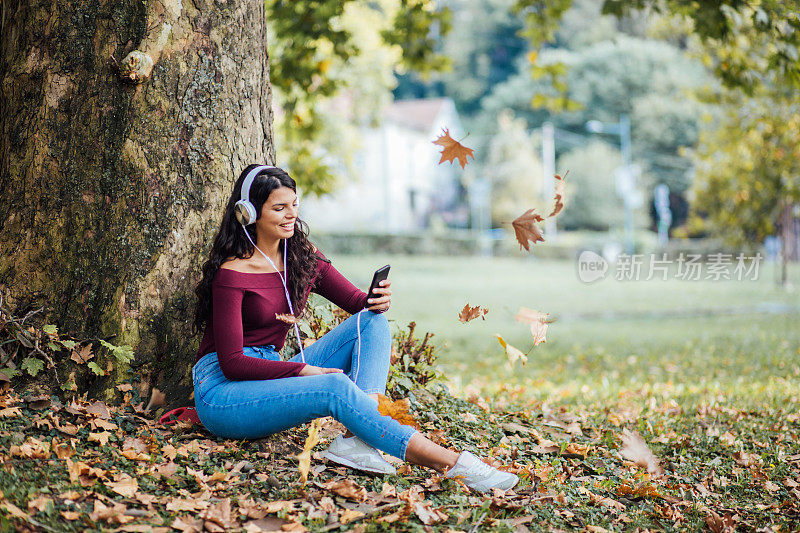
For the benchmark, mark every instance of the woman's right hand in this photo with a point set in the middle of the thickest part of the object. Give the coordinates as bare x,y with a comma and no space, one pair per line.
310,370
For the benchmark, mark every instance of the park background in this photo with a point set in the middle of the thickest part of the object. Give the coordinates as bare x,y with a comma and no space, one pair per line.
124,128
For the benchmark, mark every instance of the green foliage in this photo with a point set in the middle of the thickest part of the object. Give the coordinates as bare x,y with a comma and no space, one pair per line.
32,365
483,47
720,25
123,354
650,81
412,363
28,345
315,53
748,166
94,367
417,26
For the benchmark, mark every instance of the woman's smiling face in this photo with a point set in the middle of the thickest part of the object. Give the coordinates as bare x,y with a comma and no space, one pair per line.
278,214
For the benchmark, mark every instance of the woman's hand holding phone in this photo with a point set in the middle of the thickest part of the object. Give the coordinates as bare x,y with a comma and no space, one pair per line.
382,303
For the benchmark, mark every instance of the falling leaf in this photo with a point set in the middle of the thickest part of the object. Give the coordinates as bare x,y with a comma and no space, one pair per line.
305,456
471,313
525,229
635,449
512,352
452,149
399,410
156,399
538,322
559,195
289,319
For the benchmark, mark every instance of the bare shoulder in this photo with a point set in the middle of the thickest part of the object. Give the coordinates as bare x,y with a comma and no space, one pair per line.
238,264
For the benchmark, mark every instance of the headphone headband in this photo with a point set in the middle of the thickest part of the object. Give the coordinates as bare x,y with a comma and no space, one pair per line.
249,179
245,210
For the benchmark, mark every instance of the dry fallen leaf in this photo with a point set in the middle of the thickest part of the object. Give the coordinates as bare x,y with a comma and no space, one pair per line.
635,449
512,352
348,515
305,456
471,313
428,515
525,229
452,149
124,486
601,500
346,488
399,410
289,319
559,195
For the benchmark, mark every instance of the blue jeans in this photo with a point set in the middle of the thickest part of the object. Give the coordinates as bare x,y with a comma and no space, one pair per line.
257,408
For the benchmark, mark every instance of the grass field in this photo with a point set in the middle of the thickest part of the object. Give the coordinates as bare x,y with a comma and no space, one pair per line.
719,337
624,420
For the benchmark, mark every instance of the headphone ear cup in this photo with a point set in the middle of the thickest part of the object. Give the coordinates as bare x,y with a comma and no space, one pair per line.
245,212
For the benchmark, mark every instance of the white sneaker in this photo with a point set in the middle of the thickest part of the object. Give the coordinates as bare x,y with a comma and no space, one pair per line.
356,453
479,476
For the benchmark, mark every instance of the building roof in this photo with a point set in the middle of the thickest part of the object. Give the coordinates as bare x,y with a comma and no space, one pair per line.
418,114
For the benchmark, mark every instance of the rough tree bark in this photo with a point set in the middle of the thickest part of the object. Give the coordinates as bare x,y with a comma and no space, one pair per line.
124,125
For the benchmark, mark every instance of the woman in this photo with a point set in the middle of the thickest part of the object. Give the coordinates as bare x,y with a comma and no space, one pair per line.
255,283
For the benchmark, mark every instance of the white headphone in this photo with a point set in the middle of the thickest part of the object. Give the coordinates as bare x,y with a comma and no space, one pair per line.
244,209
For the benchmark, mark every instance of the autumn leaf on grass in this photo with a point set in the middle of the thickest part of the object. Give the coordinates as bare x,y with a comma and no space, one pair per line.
635,449
399,410
305,455
289,319
538,322
525,229
471,313
512,352
559,195
452,149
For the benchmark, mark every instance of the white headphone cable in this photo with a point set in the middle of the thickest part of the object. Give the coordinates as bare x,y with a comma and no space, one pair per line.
285,287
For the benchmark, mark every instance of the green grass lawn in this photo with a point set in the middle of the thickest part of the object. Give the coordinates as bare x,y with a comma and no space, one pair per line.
713,396
608,336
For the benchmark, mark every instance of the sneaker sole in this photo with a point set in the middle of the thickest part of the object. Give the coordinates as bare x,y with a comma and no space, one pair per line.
346,462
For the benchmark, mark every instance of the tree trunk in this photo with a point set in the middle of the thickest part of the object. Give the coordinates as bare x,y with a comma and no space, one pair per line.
124,126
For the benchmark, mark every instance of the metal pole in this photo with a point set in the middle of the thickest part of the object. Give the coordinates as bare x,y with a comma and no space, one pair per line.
548,169
625,145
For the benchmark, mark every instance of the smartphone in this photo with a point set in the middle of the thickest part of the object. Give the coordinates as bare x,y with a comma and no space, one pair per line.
381,274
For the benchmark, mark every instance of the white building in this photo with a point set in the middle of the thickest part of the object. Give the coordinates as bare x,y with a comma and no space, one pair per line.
400,183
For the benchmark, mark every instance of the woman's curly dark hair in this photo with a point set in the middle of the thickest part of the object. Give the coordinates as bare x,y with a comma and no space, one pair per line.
230,241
